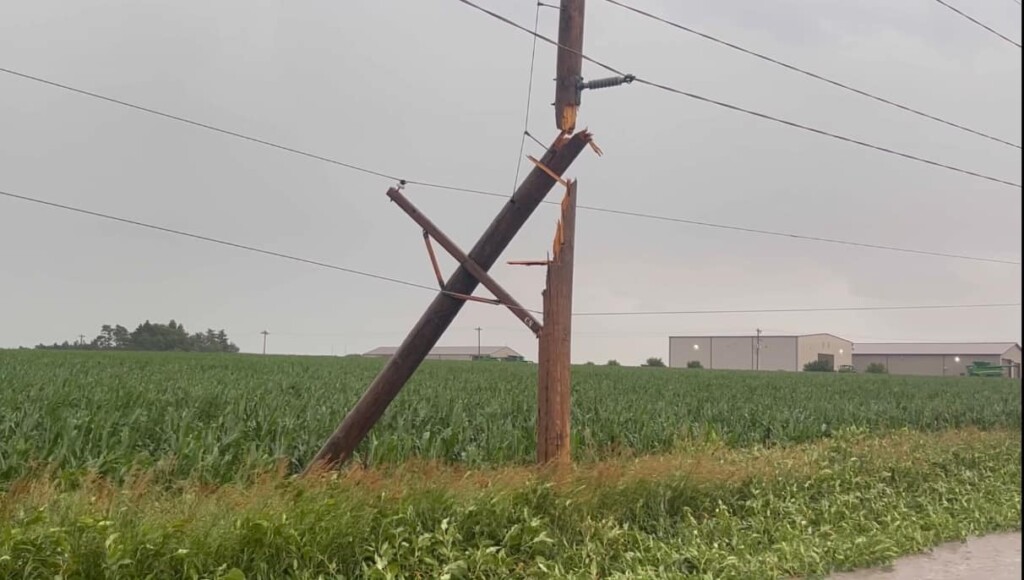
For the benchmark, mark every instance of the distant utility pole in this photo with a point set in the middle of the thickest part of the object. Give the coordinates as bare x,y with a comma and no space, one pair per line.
757,351
81,339
264,333
478,348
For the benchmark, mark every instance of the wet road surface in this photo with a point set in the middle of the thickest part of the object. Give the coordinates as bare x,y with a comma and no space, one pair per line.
995,557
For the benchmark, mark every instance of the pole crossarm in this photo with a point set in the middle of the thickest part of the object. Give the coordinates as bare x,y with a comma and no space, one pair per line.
430,230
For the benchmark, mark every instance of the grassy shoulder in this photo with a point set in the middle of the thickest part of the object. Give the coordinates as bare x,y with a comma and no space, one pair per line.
701,511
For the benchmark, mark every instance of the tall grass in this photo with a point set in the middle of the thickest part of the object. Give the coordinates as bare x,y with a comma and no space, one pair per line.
852,500
223,418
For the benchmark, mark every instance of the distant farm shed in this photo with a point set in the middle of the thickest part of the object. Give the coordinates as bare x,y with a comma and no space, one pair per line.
765,352
938,359
455,352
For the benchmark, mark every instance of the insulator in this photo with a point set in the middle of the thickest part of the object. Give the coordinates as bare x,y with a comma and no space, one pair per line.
607,82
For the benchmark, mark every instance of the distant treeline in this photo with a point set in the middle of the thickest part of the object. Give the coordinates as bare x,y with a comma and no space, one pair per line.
151,337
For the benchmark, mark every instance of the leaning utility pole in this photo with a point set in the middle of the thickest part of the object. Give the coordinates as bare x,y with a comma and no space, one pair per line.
447,304
553,378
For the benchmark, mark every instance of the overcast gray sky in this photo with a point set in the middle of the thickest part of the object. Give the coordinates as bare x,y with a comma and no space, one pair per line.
433,90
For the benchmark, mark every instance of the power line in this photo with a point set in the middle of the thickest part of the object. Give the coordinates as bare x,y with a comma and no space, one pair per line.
243,136
214,240
827,133
739,109
321,264
236,245
793,310
529,99
196,123
809,73
758,231
981,24
480,192
798,236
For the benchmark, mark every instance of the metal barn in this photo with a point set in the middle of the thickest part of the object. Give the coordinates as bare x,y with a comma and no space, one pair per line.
938,359
760,352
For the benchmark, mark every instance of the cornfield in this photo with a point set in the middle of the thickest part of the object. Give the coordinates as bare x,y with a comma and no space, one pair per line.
224,418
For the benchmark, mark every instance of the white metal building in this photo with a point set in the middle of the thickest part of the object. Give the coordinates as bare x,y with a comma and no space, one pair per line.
937,359
454,352
765,352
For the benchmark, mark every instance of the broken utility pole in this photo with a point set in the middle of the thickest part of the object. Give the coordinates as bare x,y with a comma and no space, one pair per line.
554,373
445,306
569,64
554,335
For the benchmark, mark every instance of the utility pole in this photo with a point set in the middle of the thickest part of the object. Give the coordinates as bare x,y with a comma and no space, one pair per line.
446,305
569,64
473,267
554,379
569,83
478,331
757,350
264,333
554,376
81,340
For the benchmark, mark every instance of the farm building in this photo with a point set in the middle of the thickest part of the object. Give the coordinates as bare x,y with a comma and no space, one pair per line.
937,359
766,353
455,352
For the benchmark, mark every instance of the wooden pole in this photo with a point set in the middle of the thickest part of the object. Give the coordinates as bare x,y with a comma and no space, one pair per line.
569,65
442,311
456,252
554,371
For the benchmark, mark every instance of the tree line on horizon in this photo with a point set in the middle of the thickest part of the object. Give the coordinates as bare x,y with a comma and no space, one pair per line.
150,336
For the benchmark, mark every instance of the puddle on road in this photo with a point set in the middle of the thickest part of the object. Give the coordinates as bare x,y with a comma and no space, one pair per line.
995,557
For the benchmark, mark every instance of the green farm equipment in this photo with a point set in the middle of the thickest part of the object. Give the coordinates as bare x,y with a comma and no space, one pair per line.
985,369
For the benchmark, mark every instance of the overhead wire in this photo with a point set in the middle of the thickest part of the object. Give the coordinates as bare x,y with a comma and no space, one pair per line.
213,240
243,136
384,278
800,236
529,99
739,109
474,191
795,310
536,140
808,73
194,123
979,23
